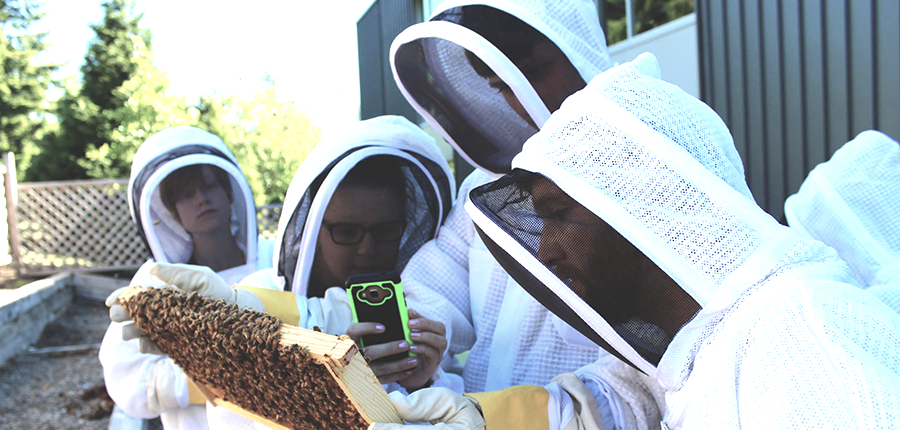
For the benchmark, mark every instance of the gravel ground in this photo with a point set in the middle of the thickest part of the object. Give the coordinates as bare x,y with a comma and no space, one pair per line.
61,390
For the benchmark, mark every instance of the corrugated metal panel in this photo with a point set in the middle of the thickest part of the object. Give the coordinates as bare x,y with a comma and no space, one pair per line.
384,20
371,70
796,79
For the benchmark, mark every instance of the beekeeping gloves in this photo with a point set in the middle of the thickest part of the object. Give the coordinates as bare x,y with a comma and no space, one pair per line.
118,314
203,281
450,410
206,283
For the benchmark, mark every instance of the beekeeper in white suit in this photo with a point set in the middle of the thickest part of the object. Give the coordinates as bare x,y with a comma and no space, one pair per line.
191,203
363,201
627,219
850,204
487,75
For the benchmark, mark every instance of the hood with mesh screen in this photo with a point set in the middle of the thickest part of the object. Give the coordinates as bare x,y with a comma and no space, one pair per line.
850,203
630,211
166,152
429,191
431,67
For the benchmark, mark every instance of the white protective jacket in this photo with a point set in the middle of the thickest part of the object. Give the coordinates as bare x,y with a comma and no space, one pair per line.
850,204
429,196
676,270
148,385
512,338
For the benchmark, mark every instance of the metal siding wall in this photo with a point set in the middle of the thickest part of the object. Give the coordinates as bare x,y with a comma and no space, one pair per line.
376,30
371,72
796,79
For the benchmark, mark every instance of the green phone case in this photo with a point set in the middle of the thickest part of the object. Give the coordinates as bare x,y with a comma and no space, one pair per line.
365,310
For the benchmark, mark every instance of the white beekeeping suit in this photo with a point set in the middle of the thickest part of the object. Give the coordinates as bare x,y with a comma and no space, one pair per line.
149,385
512,338
628,217
429,195
850,204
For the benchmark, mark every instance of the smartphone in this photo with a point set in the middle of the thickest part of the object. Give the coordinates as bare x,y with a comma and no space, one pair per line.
378,297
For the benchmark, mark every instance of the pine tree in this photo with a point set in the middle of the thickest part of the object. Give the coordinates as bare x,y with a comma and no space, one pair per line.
24,82
87,114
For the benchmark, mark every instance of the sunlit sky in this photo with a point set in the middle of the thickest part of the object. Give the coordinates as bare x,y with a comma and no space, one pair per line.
227,47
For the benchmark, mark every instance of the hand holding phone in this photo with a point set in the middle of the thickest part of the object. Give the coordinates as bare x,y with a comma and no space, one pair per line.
378,298
413,364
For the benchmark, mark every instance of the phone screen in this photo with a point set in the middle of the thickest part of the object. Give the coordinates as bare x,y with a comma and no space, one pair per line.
378,298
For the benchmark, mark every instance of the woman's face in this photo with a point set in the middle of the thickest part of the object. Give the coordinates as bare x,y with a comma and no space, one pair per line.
204,207
366,207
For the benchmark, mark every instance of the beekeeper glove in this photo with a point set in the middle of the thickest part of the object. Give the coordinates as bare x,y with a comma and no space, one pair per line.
450,410
205,282
118,314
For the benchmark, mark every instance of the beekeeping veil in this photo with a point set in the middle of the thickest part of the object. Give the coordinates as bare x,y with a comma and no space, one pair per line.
658,203
429,191
158,157
851,204
432,70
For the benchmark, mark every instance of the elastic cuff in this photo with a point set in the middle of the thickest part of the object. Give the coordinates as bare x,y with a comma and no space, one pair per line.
280,304
195,395
520,407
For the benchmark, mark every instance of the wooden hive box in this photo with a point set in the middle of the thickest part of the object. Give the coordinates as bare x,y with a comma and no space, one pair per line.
250,363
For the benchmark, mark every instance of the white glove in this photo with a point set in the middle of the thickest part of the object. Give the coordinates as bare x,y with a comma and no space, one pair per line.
449,410
118,313
205,282
186,277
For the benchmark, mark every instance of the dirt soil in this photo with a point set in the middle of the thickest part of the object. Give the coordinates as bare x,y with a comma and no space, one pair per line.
59,390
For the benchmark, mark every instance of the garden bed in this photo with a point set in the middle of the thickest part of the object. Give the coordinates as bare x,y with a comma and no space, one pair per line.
47,387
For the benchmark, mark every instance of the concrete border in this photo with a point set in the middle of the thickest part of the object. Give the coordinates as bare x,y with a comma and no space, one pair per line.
25,312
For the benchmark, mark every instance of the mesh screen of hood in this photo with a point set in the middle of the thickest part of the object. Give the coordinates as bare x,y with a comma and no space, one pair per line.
437,76
421,206
622,289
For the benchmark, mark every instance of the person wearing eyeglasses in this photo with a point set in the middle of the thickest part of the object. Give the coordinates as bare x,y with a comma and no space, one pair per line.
363,201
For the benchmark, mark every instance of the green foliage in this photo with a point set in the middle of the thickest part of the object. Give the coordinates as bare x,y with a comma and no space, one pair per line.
270,138
25,81
148,107
647,14
86,114
123,99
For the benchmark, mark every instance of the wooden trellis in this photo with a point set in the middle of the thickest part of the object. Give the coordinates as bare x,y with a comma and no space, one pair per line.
267,216
76,225
85,225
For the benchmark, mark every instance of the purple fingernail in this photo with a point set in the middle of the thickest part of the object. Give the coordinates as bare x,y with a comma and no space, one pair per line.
379,327
413,348
415,335
412,362
402,345
414,323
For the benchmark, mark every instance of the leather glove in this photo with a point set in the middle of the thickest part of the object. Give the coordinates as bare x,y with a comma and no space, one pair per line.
205,282
118,313
449,410
199,279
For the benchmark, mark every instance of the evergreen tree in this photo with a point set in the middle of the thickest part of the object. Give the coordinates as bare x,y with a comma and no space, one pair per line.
24,82
87,114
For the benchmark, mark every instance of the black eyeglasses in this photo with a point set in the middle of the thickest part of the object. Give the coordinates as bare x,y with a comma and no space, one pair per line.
352,234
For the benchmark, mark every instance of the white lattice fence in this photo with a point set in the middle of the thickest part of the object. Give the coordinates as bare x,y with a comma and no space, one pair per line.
85,225
267,215
77,225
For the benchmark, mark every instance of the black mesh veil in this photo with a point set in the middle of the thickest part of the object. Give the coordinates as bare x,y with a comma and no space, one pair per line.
422,208
438,75
617,289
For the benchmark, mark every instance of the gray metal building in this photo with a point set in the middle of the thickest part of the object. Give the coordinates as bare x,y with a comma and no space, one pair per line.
793,79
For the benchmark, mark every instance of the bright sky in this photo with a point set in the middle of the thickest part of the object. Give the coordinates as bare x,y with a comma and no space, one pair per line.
228,47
